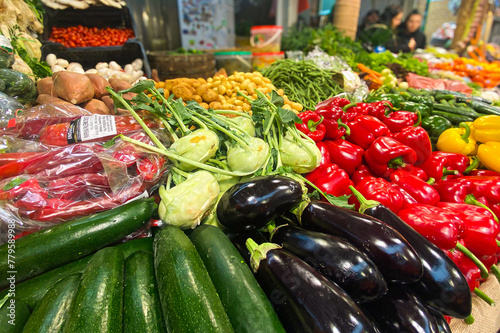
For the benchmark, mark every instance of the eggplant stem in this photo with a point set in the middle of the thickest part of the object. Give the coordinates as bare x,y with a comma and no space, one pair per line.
471,256
484,297
364,203
251,245
469,320
495,271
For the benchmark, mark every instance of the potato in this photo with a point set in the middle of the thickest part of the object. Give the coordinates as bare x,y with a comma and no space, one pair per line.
182,91
197,98
204,105
45,98
99,83
45,86
209,96
118,84
215,105
108,101
96,106
201,89
73,87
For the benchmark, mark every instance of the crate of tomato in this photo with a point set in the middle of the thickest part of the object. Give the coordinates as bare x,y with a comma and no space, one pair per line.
96,34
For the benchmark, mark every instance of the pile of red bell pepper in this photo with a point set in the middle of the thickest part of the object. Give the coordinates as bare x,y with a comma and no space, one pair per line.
388,157
74,181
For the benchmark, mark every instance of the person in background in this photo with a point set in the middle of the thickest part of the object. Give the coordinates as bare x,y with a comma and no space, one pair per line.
391,17
409,35
370,18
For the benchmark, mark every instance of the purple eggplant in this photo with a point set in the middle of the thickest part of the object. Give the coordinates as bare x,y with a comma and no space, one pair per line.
304,300
400,310
253,203
336,259
392,254
443,287
442,324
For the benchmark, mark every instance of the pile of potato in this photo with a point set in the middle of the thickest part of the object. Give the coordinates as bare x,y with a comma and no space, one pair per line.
220,92
85,90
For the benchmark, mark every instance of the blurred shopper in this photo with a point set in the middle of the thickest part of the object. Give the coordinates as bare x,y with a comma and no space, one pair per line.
410,36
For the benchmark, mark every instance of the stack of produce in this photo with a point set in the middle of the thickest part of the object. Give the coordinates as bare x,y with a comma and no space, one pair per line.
221,92
482,73
18,21
80,36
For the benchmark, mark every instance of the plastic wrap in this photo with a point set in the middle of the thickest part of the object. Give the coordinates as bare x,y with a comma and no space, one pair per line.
61,184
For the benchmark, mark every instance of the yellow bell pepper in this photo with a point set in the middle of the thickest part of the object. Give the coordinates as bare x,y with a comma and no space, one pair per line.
487,128
489,155
457,140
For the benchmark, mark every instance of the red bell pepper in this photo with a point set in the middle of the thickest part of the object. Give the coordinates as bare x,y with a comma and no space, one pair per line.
150,168
387,155
361,172
416,187
380,190
452,190
19,187
418,172
79,187
482,229
408,200
128,154
433,223
6,158
438,167
488,173
455,161
330,179
353,111
378,109
312,125
18,167
325,153
333,119
333,101
398,120
365,129
417,139
346,155
471,272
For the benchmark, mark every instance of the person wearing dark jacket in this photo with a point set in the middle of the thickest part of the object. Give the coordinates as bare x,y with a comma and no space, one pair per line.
409,35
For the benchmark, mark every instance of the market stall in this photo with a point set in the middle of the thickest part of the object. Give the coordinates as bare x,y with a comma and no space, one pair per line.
336,190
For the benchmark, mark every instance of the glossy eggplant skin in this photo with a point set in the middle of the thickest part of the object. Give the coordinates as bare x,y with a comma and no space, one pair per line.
306,301
336,259
400,310
442,286
251,204
392,254
442,324
239,238
287,218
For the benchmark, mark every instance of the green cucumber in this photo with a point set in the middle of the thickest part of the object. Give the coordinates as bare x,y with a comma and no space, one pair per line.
246,304
50,248
98,302
485,108
141,302
453,118
463,111
33,290
52,311
188,297
13,317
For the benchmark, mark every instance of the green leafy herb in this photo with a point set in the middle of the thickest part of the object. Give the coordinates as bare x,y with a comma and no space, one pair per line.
288,117
139,87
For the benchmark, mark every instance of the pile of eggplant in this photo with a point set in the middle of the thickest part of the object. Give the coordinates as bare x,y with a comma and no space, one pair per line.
329,269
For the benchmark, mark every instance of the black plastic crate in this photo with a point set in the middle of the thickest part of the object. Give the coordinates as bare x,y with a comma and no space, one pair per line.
88,57
94,16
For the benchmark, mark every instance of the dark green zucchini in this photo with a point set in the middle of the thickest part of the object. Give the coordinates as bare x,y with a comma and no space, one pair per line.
245,302
188,297
50,248
16,83
453,118
460,110
52,311
32,290
98,303
13,316
141,302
